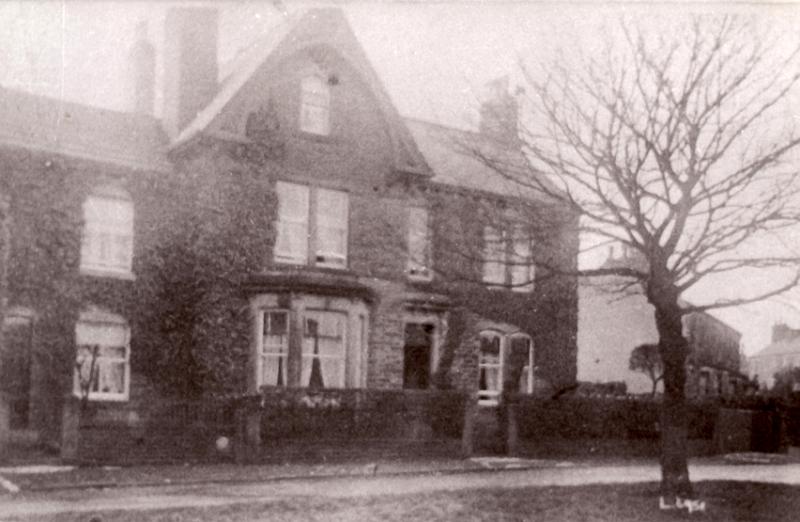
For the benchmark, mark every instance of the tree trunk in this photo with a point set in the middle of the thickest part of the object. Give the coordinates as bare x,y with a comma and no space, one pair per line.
674,423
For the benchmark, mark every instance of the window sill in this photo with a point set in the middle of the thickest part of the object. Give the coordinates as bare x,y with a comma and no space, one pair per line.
106,272
96,397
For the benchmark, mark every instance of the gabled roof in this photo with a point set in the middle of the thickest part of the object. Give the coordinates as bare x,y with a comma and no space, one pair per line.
37,122
301,31
474,161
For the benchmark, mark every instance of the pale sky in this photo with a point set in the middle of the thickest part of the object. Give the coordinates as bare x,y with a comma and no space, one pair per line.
433,58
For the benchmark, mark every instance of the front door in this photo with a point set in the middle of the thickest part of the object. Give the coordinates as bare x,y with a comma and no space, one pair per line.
417,356
16,368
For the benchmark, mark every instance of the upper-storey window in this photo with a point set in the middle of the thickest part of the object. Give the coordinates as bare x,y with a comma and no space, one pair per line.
320,228
508,258
107,243
315,105
102,370
331,228
419,244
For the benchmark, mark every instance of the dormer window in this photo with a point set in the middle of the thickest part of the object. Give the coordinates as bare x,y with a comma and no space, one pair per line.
107,242
315,104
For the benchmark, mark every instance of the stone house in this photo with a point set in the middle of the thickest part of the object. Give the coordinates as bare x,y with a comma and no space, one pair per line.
280,225
612,323
782,354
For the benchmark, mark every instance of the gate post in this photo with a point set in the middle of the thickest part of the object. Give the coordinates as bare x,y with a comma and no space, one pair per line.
468,433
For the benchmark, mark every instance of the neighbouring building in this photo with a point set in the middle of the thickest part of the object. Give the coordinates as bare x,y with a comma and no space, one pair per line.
614,319
281,225
783,353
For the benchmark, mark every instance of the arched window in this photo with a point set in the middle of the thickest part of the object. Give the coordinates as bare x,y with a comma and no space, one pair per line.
496,351
102,368
522,343
107,240
490,367
315,101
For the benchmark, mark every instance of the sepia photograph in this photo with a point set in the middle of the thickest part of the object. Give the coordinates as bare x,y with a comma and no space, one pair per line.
399,260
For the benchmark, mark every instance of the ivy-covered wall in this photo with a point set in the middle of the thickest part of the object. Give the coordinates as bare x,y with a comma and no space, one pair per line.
211,227
548,313
198,232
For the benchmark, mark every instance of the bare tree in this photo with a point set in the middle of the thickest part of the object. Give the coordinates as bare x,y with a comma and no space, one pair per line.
646,359
673,144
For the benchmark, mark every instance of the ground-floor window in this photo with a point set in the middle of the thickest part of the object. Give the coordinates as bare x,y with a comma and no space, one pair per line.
274,347
102,369
494,358
323,362
309,341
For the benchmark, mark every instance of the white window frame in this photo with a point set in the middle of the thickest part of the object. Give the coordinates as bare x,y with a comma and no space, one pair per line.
269,354
528,369
311,228
494,257
307,355
489,397
97,319
324,225
420,259
108,234
315,105
292,224
522,269
508,259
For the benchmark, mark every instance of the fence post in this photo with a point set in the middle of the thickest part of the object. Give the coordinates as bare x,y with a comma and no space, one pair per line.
70,429
248,433
512,433
5,428
468,433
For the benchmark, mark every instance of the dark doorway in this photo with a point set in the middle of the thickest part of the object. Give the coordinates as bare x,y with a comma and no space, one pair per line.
417,356
16,368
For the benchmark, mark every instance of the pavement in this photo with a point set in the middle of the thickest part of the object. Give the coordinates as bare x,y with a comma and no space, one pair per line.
400,478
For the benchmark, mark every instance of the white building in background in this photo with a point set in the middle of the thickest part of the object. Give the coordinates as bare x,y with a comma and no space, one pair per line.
781,354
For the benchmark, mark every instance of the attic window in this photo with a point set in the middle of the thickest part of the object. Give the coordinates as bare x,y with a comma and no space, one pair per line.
315,101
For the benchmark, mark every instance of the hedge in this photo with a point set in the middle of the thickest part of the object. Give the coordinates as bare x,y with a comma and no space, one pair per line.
616,417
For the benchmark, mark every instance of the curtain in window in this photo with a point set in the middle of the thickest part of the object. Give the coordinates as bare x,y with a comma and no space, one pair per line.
274,348
323,350
521,261
107,345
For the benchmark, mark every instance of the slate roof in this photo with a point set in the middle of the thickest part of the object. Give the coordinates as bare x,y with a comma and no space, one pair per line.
41,123
474,161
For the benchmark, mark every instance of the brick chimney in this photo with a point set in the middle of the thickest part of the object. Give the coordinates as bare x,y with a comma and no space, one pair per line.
499,112
190,64
142,61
